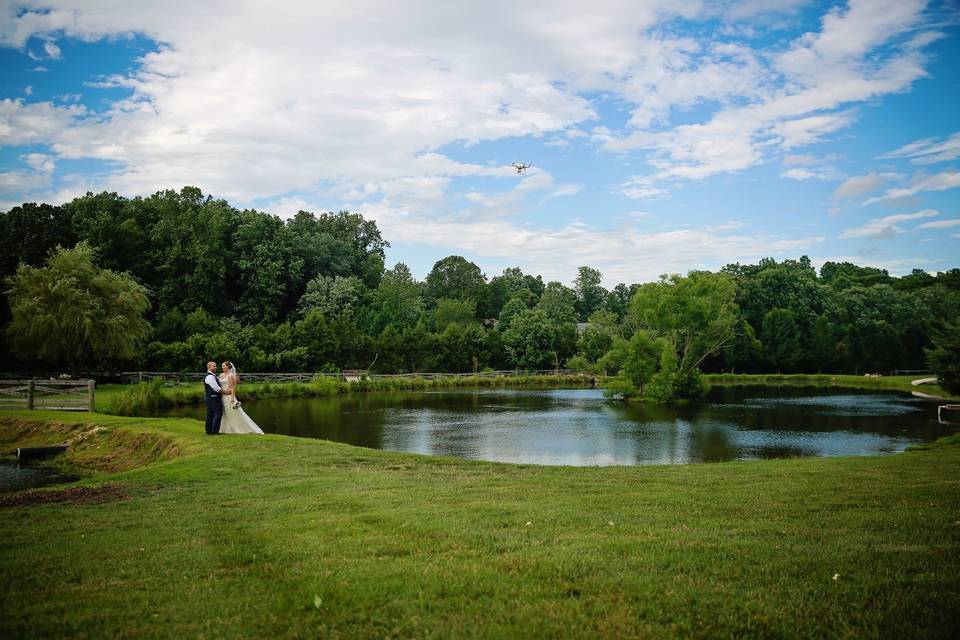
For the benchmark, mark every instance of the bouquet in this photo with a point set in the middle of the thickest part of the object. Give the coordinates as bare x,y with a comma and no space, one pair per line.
236,404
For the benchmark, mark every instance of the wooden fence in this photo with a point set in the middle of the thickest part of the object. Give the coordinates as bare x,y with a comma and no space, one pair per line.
61,395
350,375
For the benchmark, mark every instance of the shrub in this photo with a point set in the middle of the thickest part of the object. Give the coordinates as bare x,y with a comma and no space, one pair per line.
141,399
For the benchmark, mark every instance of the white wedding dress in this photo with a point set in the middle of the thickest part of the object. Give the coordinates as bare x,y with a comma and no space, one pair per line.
234,420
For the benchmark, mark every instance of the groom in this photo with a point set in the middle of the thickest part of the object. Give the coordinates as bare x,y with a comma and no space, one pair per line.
211,396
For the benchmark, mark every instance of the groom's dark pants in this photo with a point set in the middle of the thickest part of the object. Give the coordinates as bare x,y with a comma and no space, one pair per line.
214,414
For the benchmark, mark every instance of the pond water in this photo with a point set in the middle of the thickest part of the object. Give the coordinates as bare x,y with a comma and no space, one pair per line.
580,427
16,477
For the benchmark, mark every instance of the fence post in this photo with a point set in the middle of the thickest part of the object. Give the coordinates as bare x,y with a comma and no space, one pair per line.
140,377
91,386
29,394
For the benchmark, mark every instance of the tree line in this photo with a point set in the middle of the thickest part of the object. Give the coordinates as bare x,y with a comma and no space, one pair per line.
169,281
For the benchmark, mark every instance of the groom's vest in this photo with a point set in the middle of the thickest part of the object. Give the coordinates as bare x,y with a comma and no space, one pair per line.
207,389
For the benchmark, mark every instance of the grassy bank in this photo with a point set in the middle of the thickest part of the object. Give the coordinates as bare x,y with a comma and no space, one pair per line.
131,400
825,380
271,536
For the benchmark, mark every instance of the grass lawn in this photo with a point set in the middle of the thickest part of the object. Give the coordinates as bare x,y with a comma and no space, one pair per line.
271,536
821,380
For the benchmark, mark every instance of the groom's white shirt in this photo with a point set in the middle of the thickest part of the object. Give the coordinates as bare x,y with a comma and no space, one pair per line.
213,382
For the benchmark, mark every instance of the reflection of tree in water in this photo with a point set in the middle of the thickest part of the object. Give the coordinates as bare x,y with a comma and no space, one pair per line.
579,427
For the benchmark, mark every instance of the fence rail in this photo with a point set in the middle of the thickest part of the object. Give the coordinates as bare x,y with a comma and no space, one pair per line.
61,395
350,375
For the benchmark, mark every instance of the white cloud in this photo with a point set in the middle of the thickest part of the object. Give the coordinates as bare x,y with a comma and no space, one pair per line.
321,101
36,122
639,189
928,150
52,50
750,9
858,185
939,224
15,182
811,173
28,91
566,190
943,181
623,254
885,226
211,107
800,160
39,69
793,100
40,162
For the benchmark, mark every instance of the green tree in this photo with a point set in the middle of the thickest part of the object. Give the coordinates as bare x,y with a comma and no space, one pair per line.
339,244
29,233
559,303
75,314
591,295
696,314
744,352
618,300
514,307
511,283
265,268
944,356
314,333
448,312
594,342
530,340
397,299
823,346
643,356
189,250
332,296
781,339
456,278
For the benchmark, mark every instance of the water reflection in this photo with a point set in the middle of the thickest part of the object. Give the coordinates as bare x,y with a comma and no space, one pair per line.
14,477
580,427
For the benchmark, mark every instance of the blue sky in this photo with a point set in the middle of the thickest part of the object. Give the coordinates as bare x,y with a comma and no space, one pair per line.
664,136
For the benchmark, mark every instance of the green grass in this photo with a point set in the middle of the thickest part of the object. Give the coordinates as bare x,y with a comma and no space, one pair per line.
270,536
127,399
822,380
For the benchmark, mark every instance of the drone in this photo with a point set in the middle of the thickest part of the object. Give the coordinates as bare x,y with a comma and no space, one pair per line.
521,167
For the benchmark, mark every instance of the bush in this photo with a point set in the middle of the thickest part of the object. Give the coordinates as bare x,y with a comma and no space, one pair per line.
142,399
677,384
620,387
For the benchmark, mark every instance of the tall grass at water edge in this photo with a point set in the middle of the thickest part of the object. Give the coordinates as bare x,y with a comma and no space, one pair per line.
150,398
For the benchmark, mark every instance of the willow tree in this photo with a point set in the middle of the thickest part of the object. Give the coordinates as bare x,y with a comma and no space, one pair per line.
73,314
693,317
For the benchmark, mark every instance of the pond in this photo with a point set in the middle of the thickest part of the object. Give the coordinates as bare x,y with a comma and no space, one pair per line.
579,427
17,477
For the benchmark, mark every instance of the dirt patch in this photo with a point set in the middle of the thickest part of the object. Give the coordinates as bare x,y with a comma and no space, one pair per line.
73,495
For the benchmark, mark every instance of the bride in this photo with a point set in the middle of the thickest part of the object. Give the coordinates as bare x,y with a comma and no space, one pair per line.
235,419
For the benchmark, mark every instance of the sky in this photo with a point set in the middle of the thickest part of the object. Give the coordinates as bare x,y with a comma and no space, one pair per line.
663,135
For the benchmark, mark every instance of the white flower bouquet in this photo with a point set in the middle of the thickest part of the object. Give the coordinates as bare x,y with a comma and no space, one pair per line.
236,404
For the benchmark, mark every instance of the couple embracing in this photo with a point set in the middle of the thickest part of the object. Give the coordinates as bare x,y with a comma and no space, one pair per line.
224,414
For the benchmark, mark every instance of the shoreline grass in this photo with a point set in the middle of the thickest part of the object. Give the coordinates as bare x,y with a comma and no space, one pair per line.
826,380
151,397
273,536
